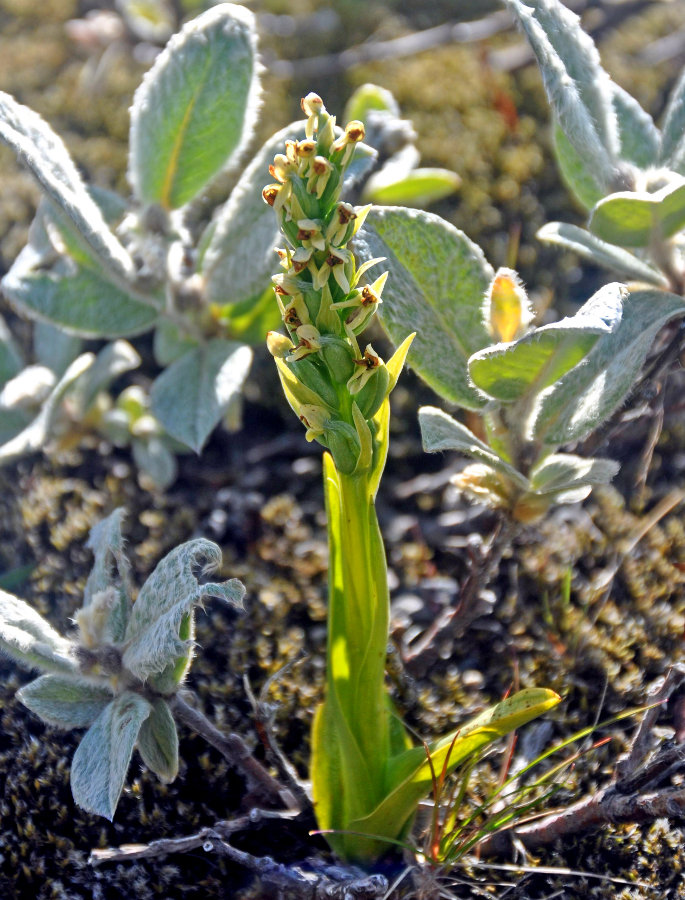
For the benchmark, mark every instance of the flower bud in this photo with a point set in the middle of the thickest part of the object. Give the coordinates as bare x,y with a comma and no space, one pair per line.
315,378
343,442
312,104
278,344
312,107
373,393
485,484
338,356
506,310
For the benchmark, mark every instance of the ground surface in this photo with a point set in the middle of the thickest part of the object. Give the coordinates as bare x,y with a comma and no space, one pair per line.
576,604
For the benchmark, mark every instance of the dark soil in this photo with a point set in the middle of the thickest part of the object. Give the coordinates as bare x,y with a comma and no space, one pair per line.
551,616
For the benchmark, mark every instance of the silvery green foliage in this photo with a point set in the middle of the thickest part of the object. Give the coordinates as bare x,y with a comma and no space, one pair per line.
579,90
101,760
97,266
39,148
115,675
559,478
169,595
246,228
29,640
537,389
595,250
194,111
437,279
620,166
585,396
510,372
190,397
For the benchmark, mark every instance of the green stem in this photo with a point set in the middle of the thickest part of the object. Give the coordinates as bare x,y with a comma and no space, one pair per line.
358,620
352,729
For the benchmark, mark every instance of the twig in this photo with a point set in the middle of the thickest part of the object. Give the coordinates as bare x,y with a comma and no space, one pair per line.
504,59
235,751
456,619
608,807
630,799
315,882
264,725
656,697
647,454
397,48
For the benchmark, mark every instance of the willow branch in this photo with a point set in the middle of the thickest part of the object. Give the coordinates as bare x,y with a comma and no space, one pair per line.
236,752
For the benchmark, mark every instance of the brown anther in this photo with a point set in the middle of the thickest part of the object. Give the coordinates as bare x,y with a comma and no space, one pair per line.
345,214
281,290
305,148
368,296
305,234
320,165
355,131
332,260
368,361
299,265
291,319
270,193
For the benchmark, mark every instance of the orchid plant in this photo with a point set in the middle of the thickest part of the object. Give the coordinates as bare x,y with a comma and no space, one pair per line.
367,777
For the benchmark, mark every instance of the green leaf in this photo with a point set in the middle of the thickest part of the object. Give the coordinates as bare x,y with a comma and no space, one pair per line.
16,577
579,90
39,148
190,397
196,108
437,279
64,702
111,569
597,251
587,395
158,742
410,775
101,761
370,98
241,258
635,219
155,459
12,422
168,595
250,320
34,436
563,471
578,177
10,356
673,130
507,372
112,361
639,138
55,348
441,432
77,300
29,640
419,187
170,343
